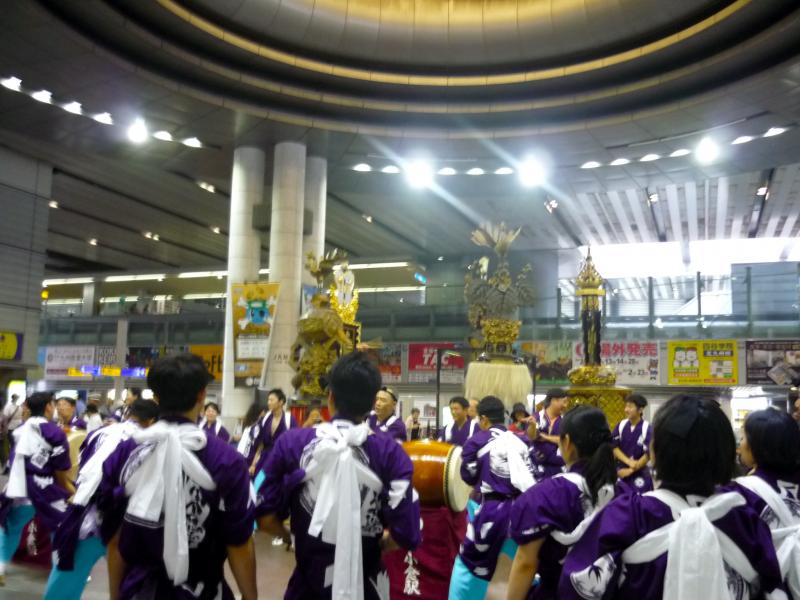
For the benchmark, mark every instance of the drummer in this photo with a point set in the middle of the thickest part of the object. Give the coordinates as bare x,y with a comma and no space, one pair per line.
384,419
462,427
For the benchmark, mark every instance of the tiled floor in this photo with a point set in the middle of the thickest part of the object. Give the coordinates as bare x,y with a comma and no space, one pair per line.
274,568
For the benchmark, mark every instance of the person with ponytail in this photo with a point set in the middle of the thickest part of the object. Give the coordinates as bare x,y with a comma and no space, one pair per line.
549,517
681,541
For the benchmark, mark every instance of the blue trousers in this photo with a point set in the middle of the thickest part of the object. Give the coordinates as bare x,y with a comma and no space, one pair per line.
68,585
18,517
509,547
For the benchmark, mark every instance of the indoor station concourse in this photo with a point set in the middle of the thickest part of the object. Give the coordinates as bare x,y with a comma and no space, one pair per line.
207,176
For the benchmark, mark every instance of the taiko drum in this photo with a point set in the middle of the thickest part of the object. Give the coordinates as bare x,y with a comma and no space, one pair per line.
437,474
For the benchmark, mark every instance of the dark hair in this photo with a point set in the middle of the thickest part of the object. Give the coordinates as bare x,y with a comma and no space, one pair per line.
252,414
588,430
37,402
389,391
694,445
67,399
354,381
278,393
213,405
414,410
91,409
143,410
774,440
519,407
552,394
460,400
177,380
136,391
493,409
637,399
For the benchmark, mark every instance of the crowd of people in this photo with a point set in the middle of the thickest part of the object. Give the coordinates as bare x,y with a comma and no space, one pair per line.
583,509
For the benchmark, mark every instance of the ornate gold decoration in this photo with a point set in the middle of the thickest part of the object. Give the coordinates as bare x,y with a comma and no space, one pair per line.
610,399
592,375
500,331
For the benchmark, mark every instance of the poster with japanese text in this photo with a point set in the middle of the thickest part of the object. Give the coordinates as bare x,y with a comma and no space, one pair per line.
253,306
64,361
636,363
702,362
389,359
422,364
773,361
553,360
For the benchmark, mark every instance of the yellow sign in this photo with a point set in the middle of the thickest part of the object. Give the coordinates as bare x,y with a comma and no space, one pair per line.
254,306
212,356
10,345
73,372
111,371
703,362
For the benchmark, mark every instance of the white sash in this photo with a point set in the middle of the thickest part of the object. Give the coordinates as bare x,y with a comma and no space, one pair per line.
338,475
217,426
695,548
642,437
91,474
28,444
604,495
157,486
246,440
508,446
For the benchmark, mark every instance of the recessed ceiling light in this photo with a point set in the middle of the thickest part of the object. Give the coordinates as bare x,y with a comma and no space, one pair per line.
206,186
649,158
74,108
52,204
475,171
104,118
680,152
137,132
592,164
392,169
551,205
362,168
762,191
531,173
156,237
742,139
618,162
446,171
653,198
93,242
164,136
215,229
440,259
504,171
42,96
148,235
707,151
192,142
773,131
419,174
367,218
11,83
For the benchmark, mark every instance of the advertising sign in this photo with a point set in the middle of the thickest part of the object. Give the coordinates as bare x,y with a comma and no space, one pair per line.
706,362
636,363
389,359
253,306
10,345
773,361
422,364
553,360
60,359
212,356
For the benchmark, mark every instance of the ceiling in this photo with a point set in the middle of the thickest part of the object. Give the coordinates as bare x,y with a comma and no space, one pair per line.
584,81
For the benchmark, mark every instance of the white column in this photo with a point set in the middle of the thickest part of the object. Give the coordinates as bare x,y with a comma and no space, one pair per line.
316,203
285,256
121,352
247,189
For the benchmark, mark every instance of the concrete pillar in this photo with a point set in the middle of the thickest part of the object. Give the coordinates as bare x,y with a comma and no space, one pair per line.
247,188
121,352
285,256
90,300
315,204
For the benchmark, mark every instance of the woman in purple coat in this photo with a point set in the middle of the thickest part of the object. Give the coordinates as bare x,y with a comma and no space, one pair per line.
211,424
681,540
548,518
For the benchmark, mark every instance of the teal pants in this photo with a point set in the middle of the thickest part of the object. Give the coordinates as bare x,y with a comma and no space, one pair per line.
18,517
68,585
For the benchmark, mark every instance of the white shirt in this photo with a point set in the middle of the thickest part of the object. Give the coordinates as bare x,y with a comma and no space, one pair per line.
93,422
13,414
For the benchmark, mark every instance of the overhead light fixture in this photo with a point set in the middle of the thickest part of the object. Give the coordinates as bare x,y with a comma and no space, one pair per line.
391,169
440,258
649,158
217,296
145,277
504,171
762,191
164,136
475,171
386,265
148,235
192,142
43,96
104,118
551,205
206,186
658,323
201,274
156,237
680,152
52,204
773,131
419,174
117,299
93,241
653,198
137,132
398,288
592,164
74,108
12,83
446,171
367,218
266,271
707,151
531,173
618,162
67,281
215,229
742,139
362,168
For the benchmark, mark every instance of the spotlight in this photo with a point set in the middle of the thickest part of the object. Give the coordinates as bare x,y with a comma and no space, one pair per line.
762,191
742,139
551,205
215,230
137,132
440,259
42,96
362,168
592,164
618,162
419,174
531,173
192,142
148,235
104,118
707,151
367,218
74,108
773,131
649,158
52,204
11,83
391,169
206,186
447,171
475,171
164,136
504,171
680,152
93,242
155,237
653,198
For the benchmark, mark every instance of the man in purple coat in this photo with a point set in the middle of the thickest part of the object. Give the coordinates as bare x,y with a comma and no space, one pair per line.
631,439
185,496
67,417
384,418
348,493
275,423
38,484
462,428
544,430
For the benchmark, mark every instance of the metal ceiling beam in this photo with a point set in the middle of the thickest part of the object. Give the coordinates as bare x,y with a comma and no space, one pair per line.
778,198
656,214
760,201
635,202
722,208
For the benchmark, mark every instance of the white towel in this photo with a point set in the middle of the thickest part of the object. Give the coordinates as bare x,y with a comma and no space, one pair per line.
28,443
91,474
506,445
157,486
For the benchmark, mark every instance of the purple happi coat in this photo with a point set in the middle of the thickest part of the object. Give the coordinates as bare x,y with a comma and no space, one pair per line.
634,442
216,429
248,443
266,439
392,426
545,456
47,497
285,493
485,465
215,519
593,569
453,434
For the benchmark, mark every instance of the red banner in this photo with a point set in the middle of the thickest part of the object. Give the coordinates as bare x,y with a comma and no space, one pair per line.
422,363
